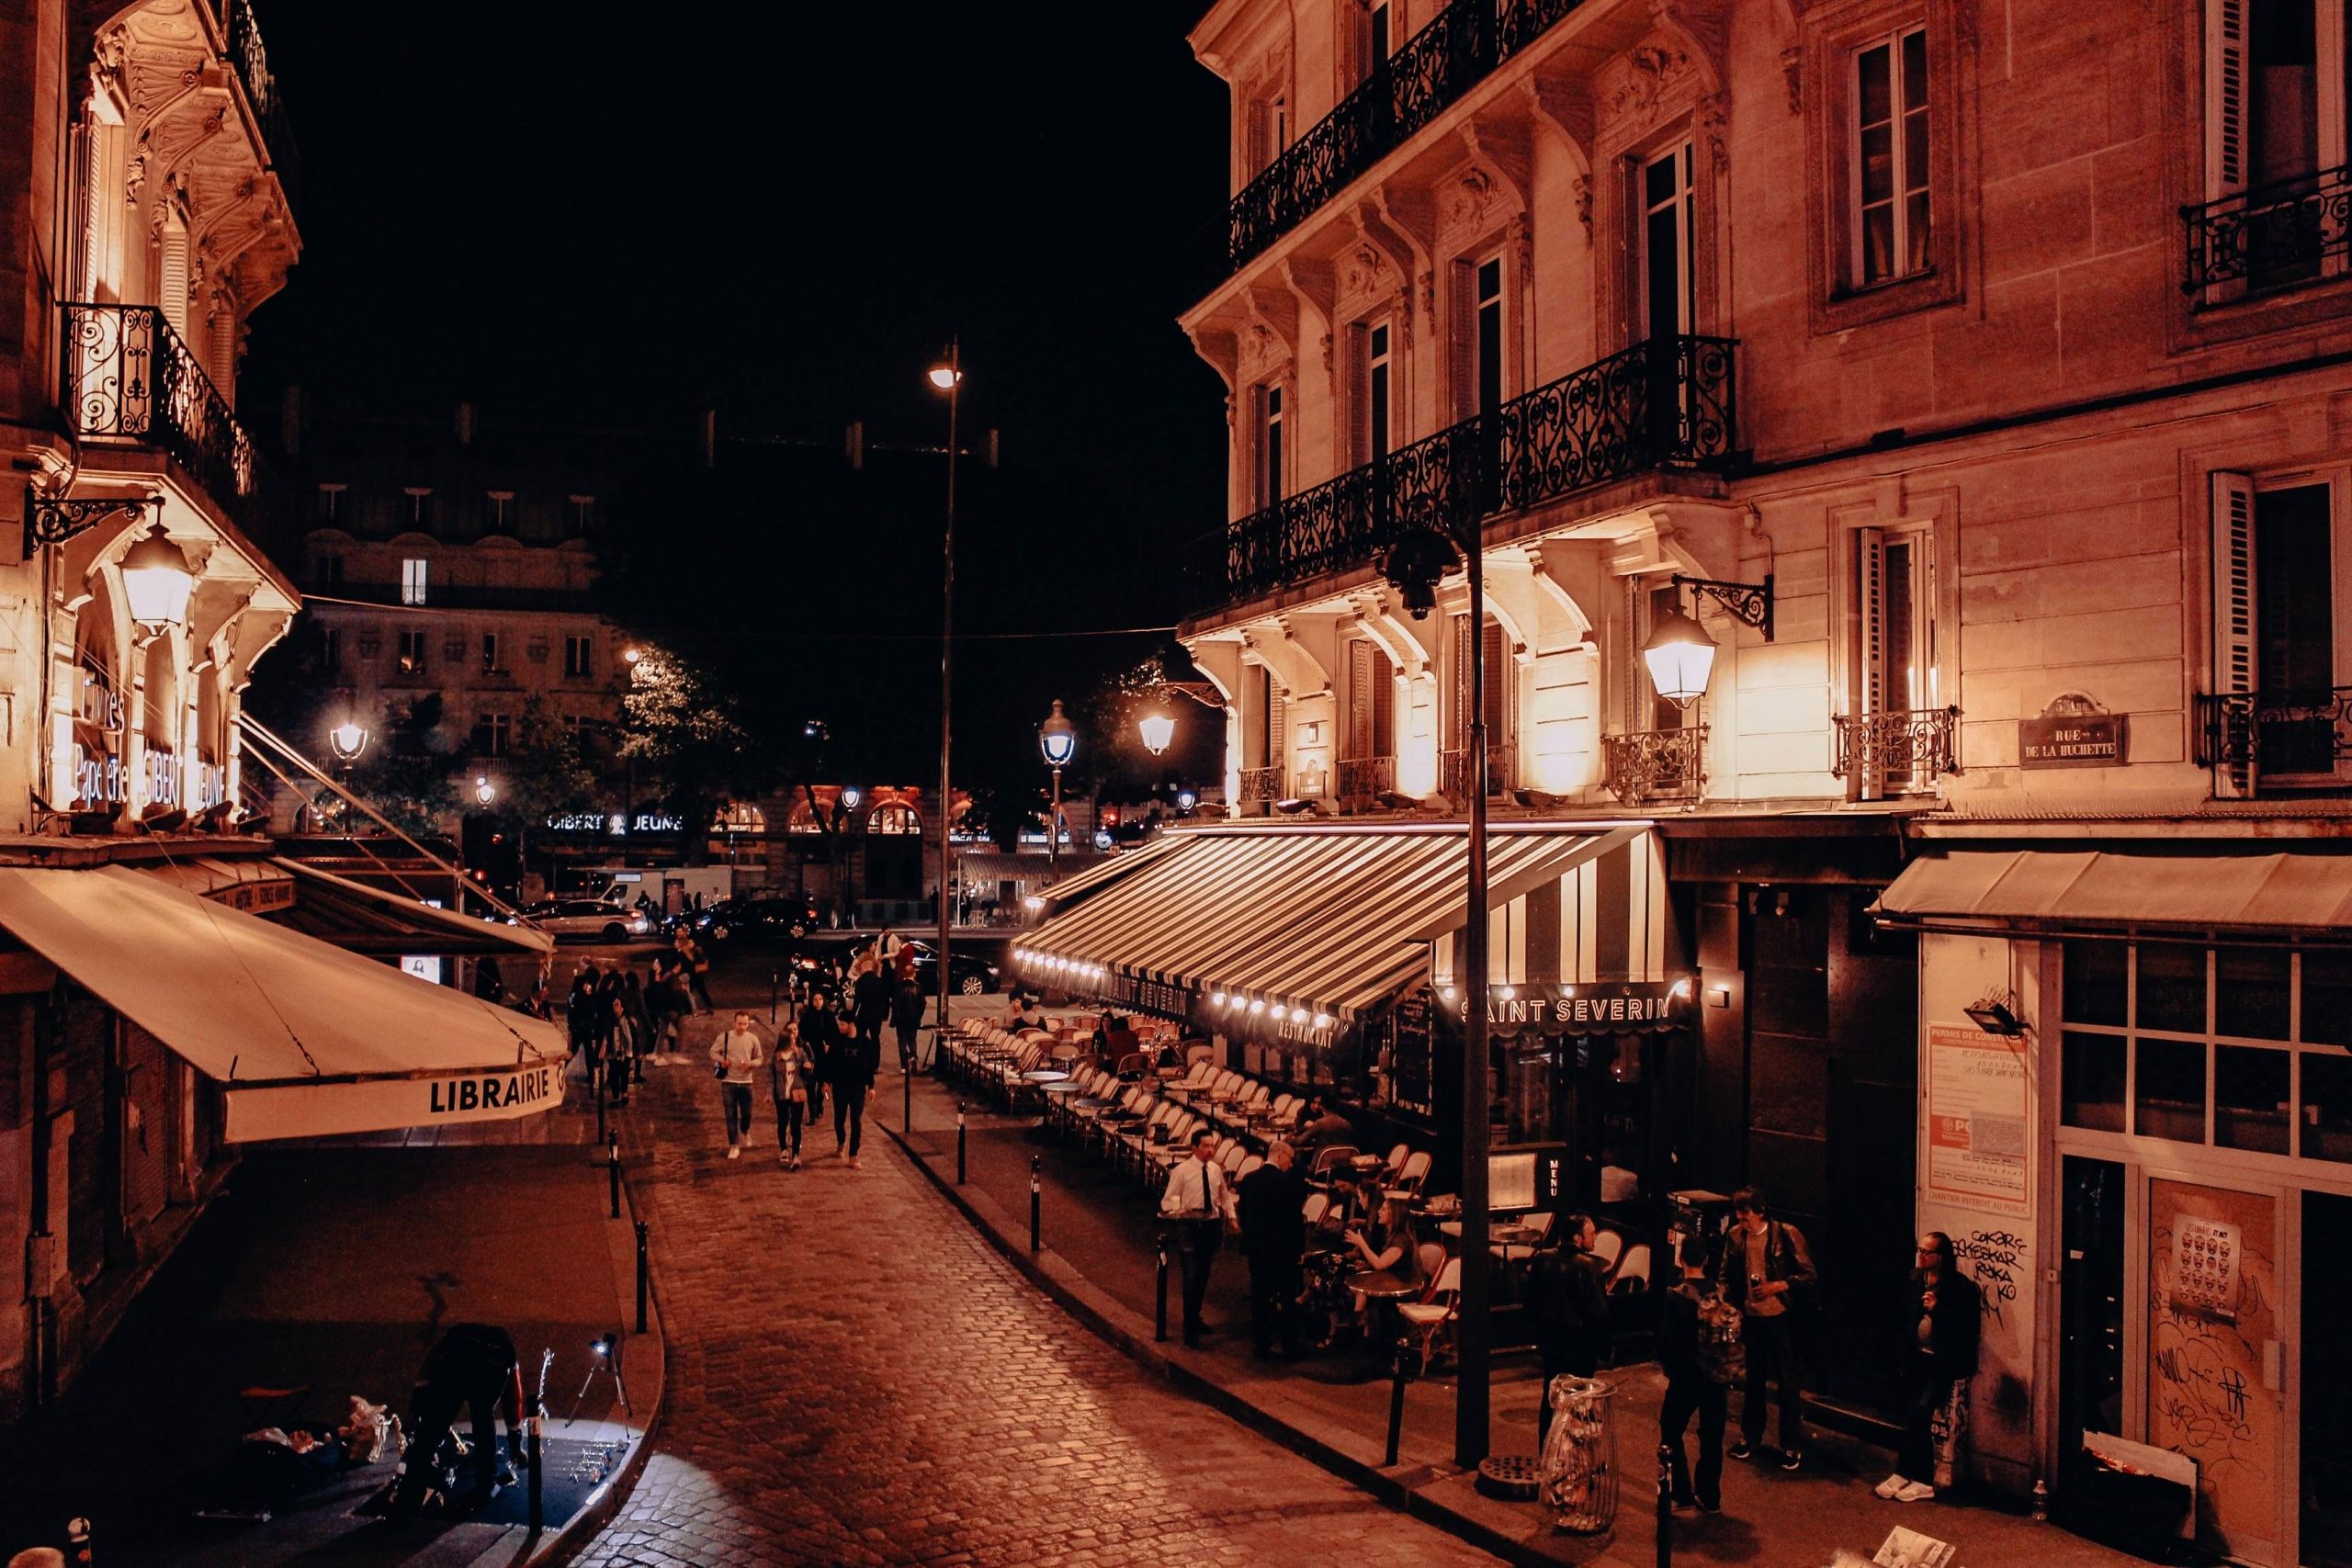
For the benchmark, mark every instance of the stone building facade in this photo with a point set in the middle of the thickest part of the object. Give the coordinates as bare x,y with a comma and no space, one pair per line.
1985,363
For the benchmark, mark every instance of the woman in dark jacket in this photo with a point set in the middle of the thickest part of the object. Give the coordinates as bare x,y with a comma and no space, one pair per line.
580,1019
1943,1323
850,1068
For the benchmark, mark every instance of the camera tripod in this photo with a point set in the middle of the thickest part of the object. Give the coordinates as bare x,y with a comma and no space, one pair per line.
604,1355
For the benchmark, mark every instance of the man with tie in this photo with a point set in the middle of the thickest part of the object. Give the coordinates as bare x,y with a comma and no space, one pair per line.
1199,1201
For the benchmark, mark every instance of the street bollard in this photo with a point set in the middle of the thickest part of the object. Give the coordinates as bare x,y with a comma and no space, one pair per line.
772,985
907,1099
613,1169
1159,1316
1036,1163
959,1143
643,1277
78,1538
1396,1401
531,1453
596,1088
1665,1506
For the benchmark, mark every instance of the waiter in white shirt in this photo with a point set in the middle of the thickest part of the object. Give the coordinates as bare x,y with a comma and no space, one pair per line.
1199,1200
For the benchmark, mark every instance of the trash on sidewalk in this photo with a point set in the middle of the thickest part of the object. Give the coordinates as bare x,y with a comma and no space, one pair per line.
1908,1548
1579,1470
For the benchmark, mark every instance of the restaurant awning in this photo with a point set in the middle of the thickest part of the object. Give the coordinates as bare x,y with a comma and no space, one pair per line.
2305,891
377,921
1332,919
305,1039
1084,884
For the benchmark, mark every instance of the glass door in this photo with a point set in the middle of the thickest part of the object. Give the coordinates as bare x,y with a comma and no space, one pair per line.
2325,1423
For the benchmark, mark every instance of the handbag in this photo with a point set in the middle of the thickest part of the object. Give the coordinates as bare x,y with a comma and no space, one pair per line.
718,1071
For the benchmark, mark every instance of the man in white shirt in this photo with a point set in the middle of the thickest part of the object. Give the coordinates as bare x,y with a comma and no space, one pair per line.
1199,1200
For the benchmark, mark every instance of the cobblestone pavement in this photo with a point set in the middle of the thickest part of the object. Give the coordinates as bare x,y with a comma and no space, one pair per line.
856,1379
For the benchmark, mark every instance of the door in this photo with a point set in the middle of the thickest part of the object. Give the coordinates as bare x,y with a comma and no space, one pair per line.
2091,1298
2324,1425
1668,243
2215,1381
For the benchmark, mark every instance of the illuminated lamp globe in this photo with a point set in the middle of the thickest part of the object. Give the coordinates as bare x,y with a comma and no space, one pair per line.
1158,731
484,791
945,377
348,738
157,581
1057,738
1681,656
632,653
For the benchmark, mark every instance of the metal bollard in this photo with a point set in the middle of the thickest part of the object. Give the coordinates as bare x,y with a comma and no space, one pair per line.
77,1539
532,1458
1159,1317
907,1098
1396,1401
1036,1163
772,986
644,1278
959,1143
613,1169
596,1088
1665,1506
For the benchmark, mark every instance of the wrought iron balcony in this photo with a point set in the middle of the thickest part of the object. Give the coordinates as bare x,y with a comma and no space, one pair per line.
1667,403
1261,785
1898,752
2274,236
1437,65
1656,764
250,60
1453,771
2299,737
127,377
1363,779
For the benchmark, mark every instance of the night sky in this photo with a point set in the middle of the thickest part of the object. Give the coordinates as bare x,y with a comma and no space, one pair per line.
617,214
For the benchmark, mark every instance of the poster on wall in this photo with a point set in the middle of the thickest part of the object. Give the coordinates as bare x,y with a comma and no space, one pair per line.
2205,1267
1976,1117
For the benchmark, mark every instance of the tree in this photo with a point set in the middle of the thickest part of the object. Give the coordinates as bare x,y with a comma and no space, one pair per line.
546,773
678,728
405,774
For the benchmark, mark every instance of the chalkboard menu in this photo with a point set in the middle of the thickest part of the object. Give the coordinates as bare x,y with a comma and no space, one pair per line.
1410,1054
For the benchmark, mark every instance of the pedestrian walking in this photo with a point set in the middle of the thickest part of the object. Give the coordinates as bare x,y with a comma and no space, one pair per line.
818,1029
1199,1200
1765,1260
1946,1310
853,1064
580,1023
790,1072
736,1054
869,1002
1567,1302
906,1013
612,1036
694,970
1701,1348
1270,1205
640,1022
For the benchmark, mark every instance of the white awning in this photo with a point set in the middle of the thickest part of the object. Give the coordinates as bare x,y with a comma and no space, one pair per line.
2305,891
305,1039
375,919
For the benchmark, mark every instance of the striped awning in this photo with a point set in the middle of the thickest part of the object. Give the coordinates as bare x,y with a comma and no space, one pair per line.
1103,872
1332,921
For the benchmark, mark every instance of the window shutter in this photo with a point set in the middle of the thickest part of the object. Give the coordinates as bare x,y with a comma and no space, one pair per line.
1497,686
1359,735
171,288
1383,705
2234,652
1869,562
1459,739
1358,372
1462,340
2225,97
1278,731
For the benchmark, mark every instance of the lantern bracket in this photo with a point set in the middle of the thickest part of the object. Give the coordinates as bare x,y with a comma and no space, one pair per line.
1750,604
52,520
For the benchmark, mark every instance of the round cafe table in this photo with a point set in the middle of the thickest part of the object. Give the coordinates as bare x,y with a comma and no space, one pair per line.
1385,1288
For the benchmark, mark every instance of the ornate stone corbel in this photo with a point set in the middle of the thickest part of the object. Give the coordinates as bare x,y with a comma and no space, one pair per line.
1792,72
1712,117
1583,188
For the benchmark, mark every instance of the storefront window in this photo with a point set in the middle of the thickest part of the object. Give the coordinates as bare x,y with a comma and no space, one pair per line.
2168,1097
2091,1081
2172,989
2327,995
2328,1106
2252,987
2097,987
2251,1098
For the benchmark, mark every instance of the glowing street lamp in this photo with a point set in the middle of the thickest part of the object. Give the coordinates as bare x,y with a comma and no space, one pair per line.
1058,738
349,739
484,791
1681,656
1158,728
157,581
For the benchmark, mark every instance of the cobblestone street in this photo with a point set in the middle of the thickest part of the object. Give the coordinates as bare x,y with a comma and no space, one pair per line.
856,1379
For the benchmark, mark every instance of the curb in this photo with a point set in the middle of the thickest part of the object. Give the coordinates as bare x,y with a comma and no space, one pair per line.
1384,1488
563,1545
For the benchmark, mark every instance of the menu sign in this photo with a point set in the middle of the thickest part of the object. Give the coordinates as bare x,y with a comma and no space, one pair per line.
1976,1117
2072,740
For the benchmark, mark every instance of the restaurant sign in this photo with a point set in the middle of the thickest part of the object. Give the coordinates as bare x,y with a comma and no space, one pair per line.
1595,1007
2073,732
1147,996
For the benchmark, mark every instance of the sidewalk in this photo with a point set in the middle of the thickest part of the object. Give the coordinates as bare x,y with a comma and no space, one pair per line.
320,1273
1098,1259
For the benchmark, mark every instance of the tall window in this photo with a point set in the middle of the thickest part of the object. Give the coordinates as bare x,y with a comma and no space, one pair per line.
419,498
329,503
577,663
582,513
1476,338
1490,335
1497,712
502,504
1889,178
330,649
493,654
1898,595
493,733
2276,551
1268,131
1372,703
1669,260
1270,444
1378,41
412,653
1272,722
1374,371
412,581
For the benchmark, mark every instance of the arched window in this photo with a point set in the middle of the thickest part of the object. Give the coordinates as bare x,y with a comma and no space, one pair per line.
803,818
895,821
740,817
94,765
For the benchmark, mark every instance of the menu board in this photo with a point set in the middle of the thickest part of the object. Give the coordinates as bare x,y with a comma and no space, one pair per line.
1409,1065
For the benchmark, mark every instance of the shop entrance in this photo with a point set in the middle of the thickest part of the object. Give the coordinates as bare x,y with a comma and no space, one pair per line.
1598,1094
2324,1430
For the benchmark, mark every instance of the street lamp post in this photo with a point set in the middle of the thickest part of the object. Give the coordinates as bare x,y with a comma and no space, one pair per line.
948,376
1058,738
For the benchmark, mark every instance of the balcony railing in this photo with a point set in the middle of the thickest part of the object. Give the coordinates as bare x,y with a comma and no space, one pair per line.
2295,738
1261,785
1656,764
250,60
1363,779
1898,752
128,377
1453,771
1667,403
1437,65
2274,236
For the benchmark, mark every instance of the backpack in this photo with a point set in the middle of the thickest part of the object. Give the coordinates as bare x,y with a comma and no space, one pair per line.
1722,1348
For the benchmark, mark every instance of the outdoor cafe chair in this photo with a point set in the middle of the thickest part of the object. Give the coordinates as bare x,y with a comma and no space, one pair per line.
1252,1163
1408,1181
1134,1066
1607,1245
1317,1205
1231,1156
1326,1159
1633,1271
1520,1252
1431,1320
1397,1159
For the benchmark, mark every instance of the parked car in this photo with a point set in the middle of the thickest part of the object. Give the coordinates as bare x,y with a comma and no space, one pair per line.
588,920
969,974
733,923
